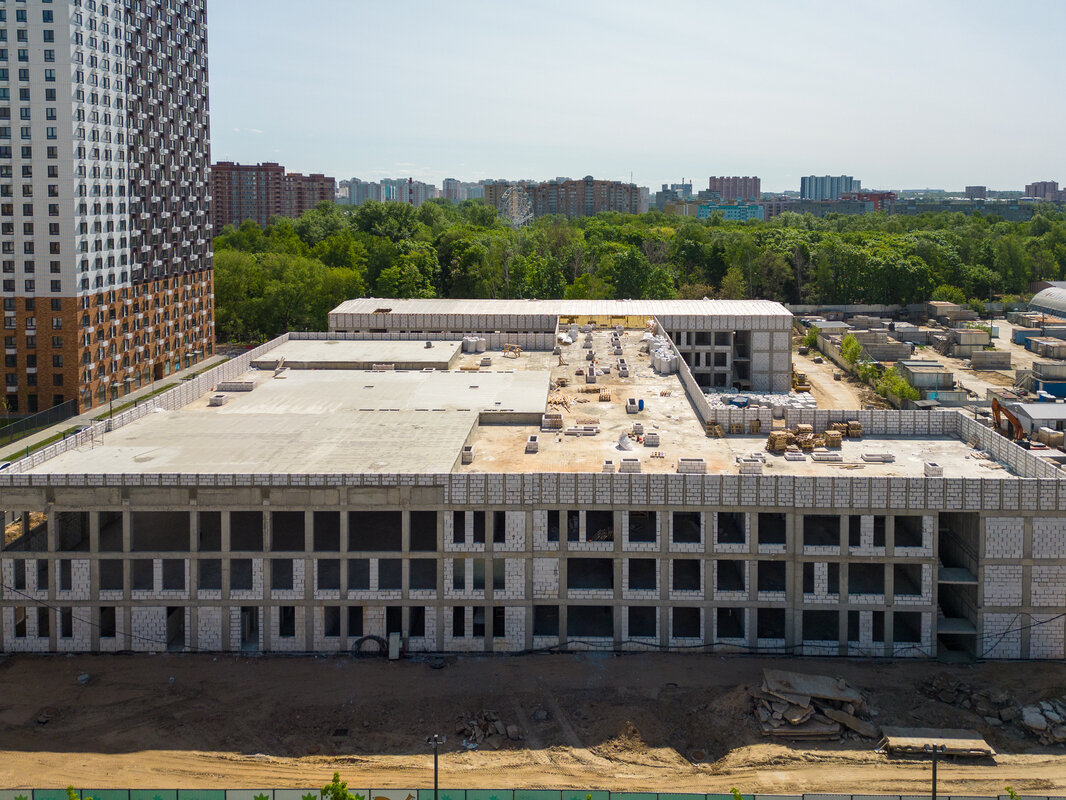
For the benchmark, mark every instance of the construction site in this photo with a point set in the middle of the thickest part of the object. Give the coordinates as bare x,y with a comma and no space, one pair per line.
432,482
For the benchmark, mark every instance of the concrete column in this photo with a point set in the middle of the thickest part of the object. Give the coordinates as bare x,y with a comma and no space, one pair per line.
127,531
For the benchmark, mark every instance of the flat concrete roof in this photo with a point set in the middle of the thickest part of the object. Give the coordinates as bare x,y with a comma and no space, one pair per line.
316,421
649,308
360,354
356,421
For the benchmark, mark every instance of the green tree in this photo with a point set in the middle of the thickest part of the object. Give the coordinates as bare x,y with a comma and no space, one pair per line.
950,294
338,790
734,286
850,349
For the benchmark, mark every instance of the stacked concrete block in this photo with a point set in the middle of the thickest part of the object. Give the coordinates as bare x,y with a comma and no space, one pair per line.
641,547
821,593
32,641
1003,637
1004,537
1049,537
540,531
1046,638
1048,585
208,628
728,547
545,578
297,590
468,592
514,580
513,639
256,592
149,626
1003,585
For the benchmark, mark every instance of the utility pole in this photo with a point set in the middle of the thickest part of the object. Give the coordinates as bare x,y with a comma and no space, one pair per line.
435,741
929,748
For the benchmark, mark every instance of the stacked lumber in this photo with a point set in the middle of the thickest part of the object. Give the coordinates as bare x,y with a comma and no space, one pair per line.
854,429
778,441
833,438
792,705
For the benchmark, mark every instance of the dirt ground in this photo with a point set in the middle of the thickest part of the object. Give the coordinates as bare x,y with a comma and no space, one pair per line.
846,394
588,721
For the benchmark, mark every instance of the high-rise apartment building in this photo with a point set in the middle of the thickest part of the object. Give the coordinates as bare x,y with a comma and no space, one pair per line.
827,187
105,241
733,188
572,198
1045,190
261,191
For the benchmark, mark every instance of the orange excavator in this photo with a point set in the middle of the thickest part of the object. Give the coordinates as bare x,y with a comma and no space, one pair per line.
998,412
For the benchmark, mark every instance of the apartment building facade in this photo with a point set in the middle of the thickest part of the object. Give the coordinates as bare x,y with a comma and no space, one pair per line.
104,228
260,192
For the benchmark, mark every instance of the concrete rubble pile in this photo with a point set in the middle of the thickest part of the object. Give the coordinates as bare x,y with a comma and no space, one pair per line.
1045,720
485,729
791,705
775,400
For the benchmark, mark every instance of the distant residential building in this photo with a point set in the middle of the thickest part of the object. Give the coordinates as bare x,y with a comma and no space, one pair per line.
261,191
827,187
731,212
400,190
474,191
683,189
453,189
877,200
571,198
1045,190
976,192
733,189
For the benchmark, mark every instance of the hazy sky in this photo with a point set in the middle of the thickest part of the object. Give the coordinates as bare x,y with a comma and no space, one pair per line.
907,94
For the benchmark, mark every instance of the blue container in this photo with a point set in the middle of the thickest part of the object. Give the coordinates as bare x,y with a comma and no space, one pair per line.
640,405
739,402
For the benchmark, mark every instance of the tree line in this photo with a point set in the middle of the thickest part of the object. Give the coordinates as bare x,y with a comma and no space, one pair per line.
288,275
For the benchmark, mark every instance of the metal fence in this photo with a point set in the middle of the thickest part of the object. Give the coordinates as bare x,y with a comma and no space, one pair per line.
42,419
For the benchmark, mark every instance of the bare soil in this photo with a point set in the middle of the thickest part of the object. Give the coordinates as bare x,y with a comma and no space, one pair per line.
588,721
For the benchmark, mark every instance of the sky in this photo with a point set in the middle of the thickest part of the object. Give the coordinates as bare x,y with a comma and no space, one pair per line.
908,94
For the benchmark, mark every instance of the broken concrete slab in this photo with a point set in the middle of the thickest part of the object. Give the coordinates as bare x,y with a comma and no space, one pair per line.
822,686
955,741
861,727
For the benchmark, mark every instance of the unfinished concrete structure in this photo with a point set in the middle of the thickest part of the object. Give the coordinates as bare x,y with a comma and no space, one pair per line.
487,504
743,344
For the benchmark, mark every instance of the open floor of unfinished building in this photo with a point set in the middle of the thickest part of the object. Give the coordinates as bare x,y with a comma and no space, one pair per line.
575,496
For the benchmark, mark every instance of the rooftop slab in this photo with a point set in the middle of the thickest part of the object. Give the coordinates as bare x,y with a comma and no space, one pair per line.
563,308
355,354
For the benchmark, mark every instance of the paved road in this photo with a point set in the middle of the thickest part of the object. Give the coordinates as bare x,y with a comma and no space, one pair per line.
18,449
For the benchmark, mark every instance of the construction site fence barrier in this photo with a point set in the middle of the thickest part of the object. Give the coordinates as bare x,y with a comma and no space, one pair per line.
454,794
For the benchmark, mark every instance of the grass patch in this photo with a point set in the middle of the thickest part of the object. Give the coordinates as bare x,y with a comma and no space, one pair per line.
33,448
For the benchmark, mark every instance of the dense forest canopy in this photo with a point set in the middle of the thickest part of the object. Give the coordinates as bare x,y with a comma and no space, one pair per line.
290,274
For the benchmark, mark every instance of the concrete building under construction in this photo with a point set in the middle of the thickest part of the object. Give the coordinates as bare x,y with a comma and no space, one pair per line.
506,476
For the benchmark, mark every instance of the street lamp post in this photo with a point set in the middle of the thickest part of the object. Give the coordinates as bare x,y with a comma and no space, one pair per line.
435,741
934,749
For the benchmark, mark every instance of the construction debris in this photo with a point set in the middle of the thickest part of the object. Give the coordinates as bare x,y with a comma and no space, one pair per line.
485,729
791,705
914,741
1045,720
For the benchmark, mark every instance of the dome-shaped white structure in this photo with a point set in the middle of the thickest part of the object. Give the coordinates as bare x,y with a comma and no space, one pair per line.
1050,301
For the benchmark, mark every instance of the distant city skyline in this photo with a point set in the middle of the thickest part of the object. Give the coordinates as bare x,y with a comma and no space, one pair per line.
944,94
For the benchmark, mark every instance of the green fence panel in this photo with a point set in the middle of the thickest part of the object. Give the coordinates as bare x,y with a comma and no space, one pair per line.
442,794
489,794
49,794
681,796
16,794
106,794
536,794
249,794
634,796
578,794
393,794
196,794
159,794
298,794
